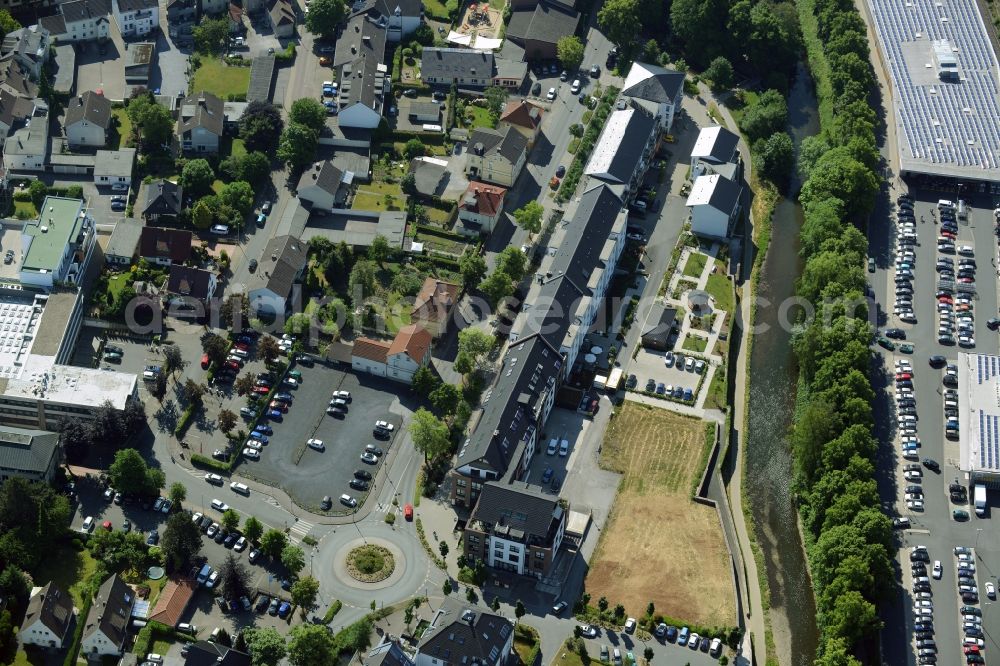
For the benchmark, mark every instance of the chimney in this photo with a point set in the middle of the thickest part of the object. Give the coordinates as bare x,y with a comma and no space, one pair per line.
80,100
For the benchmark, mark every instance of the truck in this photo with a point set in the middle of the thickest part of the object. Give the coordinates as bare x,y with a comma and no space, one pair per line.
979,494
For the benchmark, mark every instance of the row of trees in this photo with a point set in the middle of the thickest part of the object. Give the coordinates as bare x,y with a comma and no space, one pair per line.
109,427
851,547
308,644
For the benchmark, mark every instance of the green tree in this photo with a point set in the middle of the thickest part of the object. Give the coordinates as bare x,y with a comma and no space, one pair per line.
173,359
519,610
413,148
424,381
210,35
230,520
252,529
202,215
216,347
472,266
152,124
297,146
38,190
273,542
648,654
445,399
181,541
409,184
304,592
476,343
620,20
178,493
8,23
840,176
810,150
529,216
311,644
379,250
234,580
362,279
430,434
260,127
293,558
496,287
496,100
267,349
700,24
834,652
130,474
775,156
226,420
602,604
767,115
197,177
513,262
309,112
324,18
720,73
266,646
570,52
443,548
239,195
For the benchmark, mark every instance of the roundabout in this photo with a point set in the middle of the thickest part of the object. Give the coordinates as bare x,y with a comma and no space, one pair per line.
370,564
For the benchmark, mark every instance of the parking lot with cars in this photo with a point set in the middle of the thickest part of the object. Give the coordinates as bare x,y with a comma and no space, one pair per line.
937,290
679,645
341,434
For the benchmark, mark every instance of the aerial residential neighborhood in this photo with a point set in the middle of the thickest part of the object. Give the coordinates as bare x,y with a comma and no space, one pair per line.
534,332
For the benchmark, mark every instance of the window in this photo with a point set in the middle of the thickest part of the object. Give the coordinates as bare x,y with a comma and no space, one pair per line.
540,554
514,557
461,483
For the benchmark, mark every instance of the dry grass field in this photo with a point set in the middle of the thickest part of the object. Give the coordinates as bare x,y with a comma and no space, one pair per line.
659,545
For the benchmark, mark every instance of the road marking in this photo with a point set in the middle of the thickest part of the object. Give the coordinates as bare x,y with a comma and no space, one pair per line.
299,530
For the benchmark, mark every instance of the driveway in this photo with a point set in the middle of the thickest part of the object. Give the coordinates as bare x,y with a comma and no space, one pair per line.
106,71
169,71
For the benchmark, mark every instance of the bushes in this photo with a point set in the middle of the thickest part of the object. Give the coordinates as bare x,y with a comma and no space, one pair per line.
332,611
185,421
210,463
427,547
584,145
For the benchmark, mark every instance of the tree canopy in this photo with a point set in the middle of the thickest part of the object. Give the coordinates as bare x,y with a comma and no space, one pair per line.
570,52
309,112
297,146
260,127
430,434
325,17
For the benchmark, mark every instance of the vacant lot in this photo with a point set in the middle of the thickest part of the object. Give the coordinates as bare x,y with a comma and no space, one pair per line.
220,79
658,545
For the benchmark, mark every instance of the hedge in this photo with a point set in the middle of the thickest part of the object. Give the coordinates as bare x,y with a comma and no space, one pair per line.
153,630
427,547
211,463
429,138
441,233
332,611
185,421
74,646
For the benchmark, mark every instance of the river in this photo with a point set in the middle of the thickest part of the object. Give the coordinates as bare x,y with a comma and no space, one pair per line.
772,379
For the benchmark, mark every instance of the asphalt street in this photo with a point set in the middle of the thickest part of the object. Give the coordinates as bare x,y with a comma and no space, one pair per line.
934,527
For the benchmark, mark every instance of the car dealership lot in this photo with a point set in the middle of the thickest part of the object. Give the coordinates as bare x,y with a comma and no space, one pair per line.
308,474
935,525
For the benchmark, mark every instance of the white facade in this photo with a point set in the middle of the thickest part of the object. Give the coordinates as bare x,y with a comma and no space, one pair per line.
86,29
369,366
707,220
85,133
201,141
401,367
360,116
99,644
504,554
136,21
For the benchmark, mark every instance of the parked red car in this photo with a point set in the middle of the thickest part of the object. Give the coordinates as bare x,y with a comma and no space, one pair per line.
280,406
204,361
261,390
408,511
233,365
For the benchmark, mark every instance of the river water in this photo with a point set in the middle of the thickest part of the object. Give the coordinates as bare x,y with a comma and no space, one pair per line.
772,397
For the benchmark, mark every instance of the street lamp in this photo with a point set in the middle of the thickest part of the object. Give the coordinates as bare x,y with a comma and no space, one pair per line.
979,531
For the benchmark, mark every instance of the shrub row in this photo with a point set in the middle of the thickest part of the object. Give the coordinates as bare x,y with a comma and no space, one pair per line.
586,144
849,538
74,646
427,230
427,547
427,138
210,463
185,421
332,611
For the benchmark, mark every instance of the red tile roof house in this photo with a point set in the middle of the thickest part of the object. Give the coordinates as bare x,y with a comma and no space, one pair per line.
480,209
434,305
173,601
399,359
525,117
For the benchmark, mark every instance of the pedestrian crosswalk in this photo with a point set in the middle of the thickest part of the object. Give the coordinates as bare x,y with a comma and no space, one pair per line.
299,530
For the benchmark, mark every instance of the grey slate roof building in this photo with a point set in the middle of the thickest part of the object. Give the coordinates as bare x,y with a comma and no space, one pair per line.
539,28
16,81
191,282
624,145
28,45
513,409
201,110
461,636
124,242
362,38
453,65
506,141
323,175
516,509
135,5
428,175
387,653
656,85
281,265
659,326
207,653
163,198
109,614
52,607
80,10
28,454
91,107
14,108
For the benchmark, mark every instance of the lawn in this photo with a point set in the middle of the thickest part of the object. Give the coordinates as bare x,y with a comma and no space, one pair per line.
694,343
716,396
25,210
118,282
523,647
658,452
438,216
69,568
721,291
220,79
372,197
480,117
438,9
567,657
695,264
120,136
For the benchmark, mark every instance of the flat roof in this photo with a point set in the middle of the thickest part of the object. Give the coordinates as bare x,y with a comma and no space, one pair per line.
56,226
945,127
42,379
979,412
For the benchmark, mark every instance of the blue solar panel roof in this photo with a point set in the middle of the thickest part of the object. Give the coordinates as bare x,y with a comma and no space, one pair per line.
946,128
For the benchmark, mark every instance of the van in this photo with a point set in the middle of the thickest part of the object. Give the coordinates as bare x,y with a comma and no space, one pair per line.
945,204
88,524
951,404
432,128
241,488
138,624
575,87
963,210
204,573
187,628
